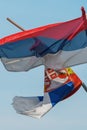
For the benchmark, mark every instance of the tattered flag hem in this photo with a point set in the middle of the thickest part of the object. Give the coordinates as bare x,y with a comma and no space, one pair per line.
58,85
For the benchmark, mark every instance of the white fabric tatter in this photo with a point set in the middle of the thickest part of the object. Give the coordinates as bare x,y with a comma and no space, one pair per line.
32,106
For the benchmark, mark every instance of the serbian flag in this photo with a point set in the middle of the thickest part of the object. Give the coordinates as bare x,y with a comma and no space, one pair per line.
56,46
58,85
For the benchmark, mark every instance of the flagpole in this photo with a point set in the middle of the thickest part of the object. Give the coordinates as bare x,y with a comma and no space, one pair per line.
19,27
15,24
84,86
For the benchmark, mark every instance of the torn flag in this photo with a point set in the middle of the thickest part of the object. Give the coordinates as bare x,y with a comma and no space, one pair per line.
58,85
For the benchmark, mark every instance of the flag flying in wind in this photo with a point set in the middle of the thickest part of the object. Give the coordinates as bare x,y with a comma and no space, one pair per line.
58,85
57,46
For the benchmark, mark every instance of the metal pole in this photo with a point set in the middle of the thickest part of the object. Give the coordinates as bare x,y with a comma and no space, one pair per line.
15,24
84,86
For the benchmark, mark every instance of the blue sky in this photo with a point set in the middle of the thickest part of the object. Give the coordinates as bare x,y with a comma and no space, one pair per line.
67,115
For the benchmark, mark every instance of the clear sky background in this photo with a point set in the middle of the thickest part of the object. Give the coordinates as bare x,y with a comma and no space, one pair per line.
70,114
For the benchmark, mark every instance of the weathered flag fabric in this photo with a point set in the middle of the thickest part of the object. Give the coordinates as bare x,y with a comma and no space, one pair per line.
58,85
56,46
